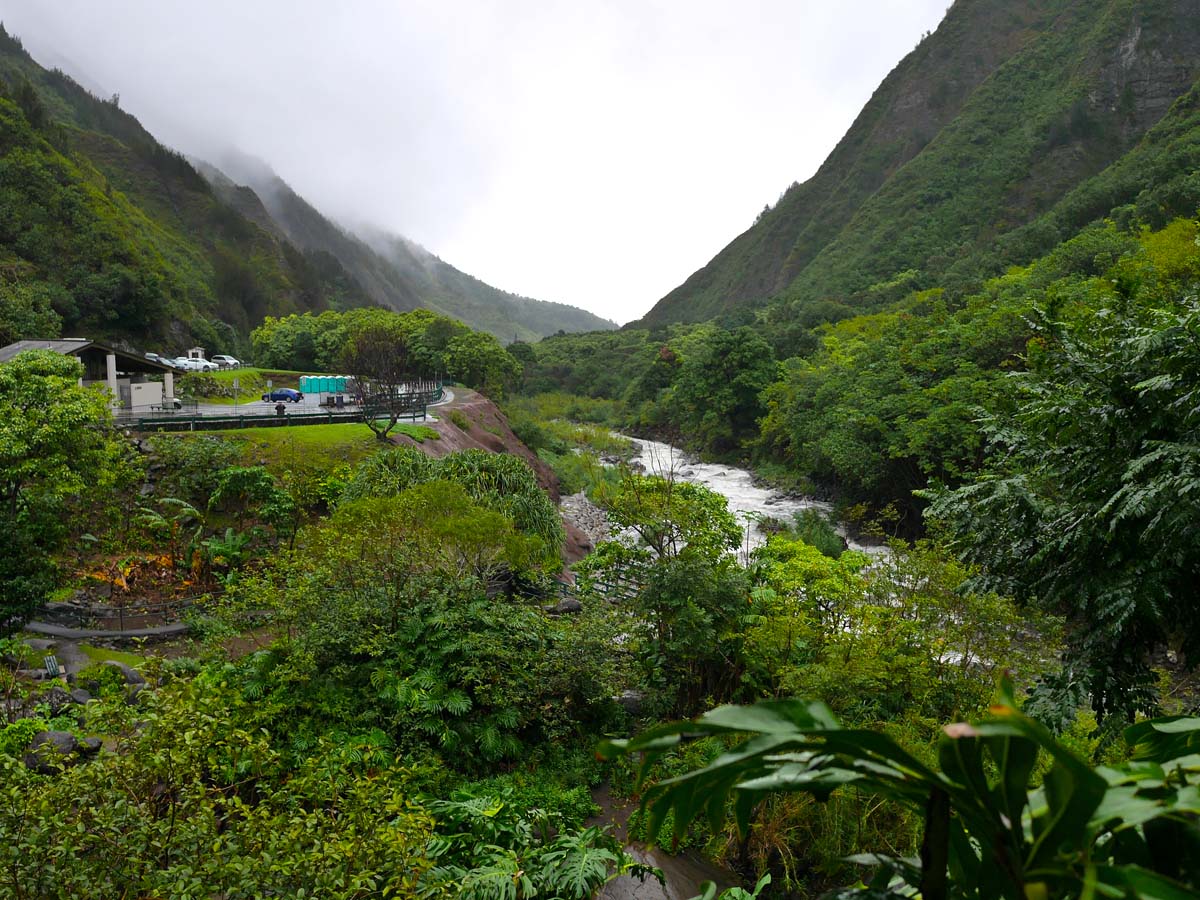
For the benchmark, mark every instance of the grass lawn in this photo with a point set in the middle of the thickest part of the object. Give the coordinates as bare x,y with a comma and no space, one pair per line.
312,447
252,382
419,433
103,654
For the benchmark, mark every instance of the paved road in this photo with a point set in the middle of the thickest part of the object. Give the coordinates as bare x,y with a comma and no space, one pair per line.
307,406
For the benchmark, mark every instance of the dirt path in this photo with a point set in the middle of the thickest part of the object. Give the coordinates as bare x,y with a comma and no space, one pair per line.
684,873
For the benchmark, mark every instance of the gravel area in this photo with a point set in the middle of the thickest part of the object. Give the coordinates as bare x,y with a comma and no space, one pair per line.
586,516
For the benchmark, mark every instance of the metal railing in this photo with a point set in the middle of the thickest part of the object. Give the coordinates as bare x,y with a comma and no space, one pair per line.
127,414
188,418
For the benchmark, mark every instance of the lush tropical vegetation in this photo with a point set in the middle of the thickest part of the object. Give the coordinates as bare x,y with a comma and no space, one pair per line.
975,330
420,344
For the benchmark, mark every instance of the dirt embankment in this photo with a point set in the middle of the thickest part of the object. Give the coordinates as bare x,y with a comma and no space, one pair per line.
472,422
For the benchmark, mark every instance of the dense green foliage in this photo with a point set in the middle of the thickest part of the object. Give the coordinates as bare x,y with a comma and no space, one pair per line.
197,799
880,404
1089,500
432,345
500,482
57,451
987,831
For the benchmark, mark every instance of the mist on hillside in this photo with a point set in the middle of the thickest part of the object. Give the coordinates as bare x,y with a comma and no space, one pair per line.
592,156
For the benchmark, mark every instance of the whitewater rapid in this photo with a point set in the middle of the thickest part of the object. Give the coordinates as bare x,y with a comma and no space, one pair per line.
749,501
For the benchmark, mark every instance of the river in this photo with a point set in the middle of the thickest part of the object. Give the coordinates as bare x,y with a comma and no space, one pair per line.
749,501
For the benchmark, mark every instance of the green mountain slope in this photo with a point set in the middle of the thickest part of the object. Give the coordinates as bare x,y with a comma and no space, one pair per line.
483,307
109,234
984,128
394,271
122,237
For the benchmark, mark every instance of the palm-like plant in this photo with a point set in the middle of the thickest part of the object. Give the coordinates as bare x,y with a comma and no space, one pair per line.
1112,832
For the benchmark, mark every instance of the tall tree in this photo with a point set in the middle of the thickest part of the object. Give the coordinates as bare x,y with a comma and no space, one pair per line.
57,446
379,359
718,389
1092,499
477,360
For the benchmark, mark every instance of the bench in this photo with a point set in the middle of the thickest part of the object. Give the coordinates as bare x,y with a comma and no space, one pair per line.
53,669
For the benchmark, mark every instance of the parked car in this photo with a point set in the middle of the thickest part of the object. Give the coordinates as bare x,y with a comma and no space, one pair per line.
194,365
226,362
290,394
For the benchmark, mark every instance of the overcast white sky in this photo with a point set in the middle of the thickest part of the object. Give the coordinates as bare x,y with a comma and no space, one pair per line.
594,153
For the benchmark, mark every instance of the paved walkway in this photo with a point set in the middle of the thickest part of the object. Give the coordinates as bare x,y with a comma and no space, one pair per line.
76,634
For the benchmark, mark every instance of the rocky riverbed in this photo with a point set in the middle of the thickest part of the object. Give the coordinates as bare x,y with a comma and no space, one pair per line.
586,516
748,499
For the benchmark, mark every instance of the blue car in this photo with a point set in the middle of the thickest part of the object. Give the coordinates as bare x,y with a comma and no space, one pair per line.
289,394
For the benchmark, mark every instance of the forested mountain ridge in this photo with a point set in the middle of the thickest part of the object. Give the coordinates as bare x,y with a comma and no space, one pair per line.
394,271
947,175
107,233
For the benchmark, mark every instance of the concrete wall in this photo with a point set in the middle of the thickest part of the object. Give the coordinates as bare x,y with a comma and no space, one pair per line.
147,393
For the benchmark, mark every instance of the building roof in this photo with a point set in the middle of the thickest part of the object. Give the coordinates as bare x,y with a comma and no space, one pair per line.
76,346
65,346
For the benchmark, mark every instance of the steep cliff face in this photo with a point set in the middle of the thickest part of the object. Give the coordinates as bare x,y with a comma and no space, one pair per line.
984,127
